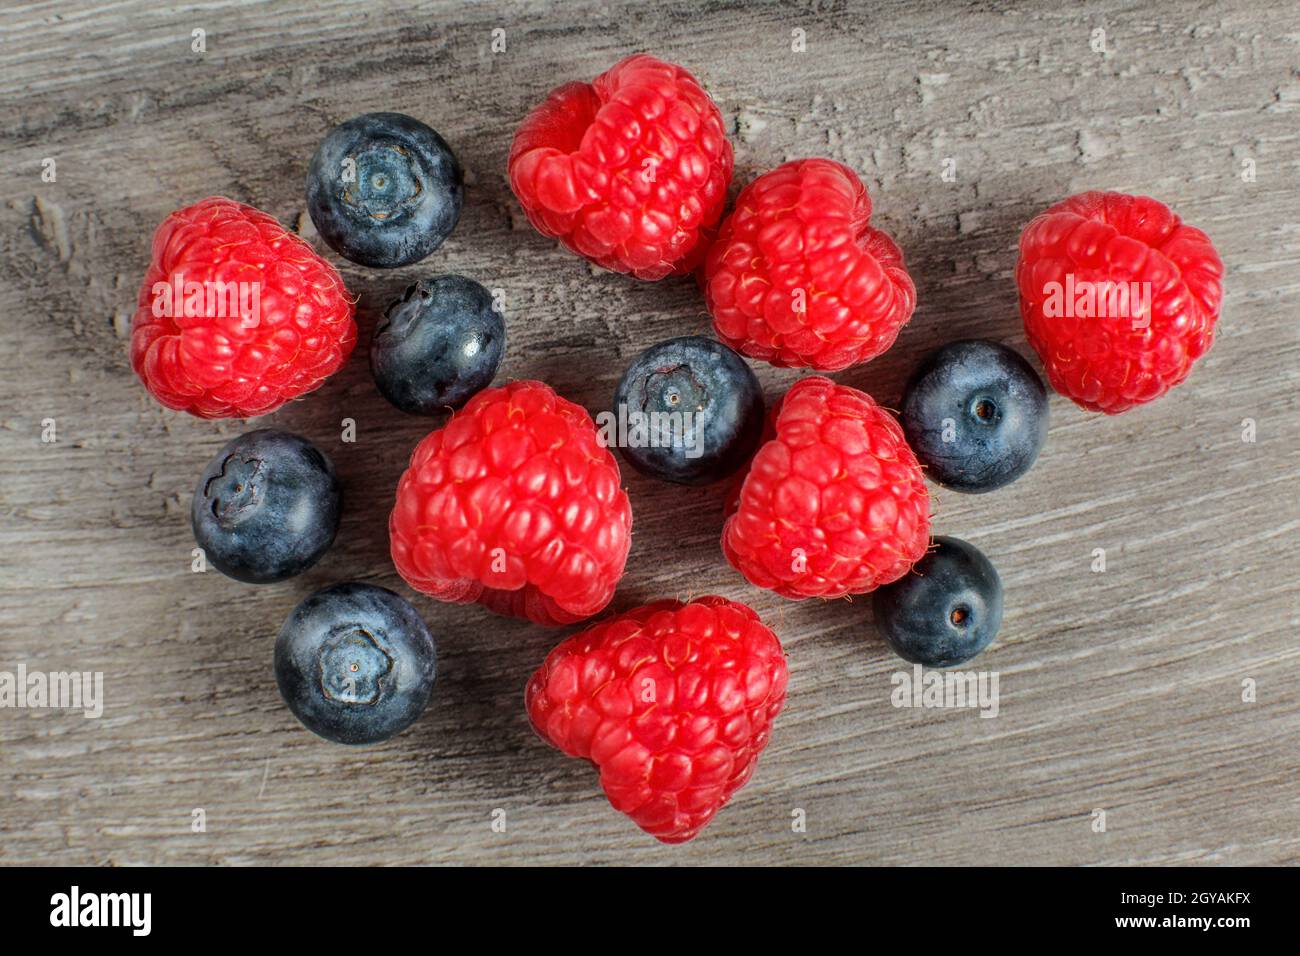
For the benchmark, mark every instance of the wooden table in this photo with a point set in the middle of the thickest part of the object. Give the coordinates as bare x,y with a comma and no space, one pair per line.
1120,690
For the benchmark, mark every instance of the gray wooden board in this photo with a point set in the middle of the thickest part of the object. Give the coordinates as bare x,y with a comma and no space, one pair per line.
1120,690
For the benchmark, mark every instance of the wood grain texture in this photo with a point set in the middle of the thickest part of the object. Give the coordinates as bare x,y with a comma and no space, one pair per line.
1119,690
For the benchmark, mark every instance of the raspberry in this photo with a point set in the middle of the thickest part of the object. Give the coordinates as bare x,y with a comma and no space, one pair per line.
799,279
515,504
629,171
672,702
1119,297
271,319
833,503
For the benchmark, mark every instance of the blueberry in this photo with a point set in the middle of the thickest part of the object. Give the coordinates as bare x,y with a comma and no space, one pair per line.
437,345
267,507
384,190
975,413
355,663
946,610
688,410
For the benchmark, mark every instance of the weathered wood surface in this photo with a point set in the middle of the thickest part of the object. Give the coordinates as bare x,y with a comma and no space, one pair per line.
1120,690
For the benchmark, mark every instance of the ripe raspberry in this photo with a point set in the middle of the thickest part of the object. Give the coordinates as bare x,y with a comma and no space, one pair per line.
799,279
672,702
629,171
1121,252
271,319
515,504
833,503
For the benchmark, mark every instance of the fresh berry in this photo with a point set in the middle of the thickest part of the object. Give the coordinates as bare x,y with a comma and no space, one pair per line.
946,611
672,702
693,411
975,413
799,279
437,345
833,502
384,190
1119,298
355,663
514,504
236,314
266,507
629,171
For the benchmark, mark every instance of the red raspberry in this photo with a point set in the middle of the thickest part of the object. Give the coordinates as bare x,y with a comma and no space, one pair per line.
672,702
629,171
833,503
273,322
799,279
514,503
1117,250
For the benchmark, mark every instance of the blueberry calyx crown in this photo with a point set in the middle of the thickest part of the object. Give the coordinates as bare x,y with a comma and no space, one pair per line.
674,389
397,321
386,182
677,388
353,666
238,490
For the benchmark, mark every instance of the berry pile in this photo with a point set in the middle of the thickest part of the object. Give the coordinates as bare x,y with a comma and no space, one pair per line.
515,501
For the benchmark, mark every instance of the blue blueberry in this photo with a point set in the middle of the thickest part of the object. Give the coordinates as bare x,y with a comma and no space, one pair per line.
266,507
700,406
384,190
975,413
437,345
946,610
355,663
